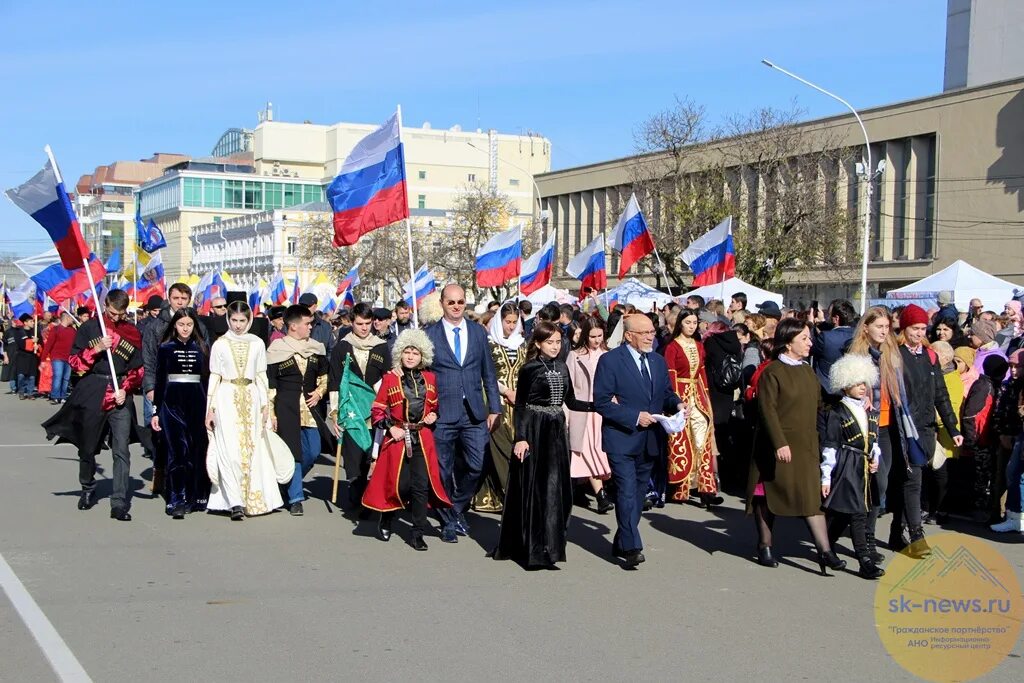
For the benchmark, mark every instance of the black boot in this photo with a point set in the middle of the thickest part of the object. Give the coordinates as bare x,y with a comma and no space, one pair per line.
237,513
872,550
829,559
417,541
765,558
918,547
384,528
604,505
87,500
869,570
897,541
178,512
710,500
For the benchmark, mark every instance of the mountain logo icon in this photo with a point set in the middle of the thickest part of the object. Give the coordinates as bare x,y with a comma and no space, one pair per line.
940,566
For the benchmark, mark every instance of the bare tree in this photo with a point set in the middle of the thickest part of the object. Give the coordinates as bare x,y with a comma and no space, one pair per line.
777,178
476,215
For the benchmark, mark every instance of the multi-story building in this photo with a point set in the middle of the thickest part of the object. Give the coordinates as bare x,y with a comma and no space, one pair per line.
105,200
983,42
292,163
952,188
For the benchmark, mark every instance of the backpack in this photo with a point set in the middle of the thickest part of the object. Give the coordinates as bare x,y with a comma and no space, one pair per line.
728,375
750,394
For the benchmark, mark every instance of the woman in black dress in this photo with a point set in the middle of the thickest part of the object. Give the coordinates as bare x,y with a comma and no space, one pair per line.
539,497
179,412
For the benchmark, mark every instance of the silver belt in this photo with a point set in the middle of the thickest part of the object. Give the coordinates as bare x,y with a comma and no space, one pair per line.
192,379
550,410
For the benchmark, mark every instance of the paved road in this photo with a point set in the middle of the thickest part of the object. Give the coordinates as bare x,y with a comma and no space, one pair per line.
316,598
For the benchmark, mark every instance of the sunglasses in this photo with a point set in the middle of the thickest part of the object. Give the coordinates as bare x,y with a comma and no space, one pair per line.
220,306
460,302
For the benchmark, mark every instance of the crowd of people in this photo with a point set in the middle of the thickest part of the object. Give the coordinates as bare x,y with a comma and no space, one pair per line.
820,414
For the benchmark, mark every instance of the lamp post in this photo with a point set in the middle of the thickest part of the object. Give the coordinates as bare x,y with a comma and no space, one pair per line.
542,215
868,174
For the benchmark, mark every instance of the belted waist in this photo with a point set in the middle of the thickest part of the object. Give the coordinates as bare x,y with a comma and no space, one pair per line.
549,410
187,379
411,426
241,381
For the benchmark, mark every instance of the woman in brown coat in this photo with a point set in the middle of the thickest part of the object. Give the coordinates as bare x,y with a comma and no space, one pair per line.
784,475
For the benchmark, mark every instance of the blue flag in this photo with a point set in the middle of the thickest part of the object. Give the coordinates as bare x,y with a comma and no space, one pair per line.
113,264
149,236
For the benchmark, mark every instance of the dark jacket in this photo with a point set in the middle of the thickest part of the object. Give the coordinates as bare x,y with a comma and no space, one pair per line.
829,347
152,335
926,391
460,388
323,333
716,348
620,397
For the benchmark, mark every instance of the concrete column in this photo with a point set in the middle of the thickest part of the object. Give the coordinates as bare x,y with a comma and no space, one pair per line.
917,203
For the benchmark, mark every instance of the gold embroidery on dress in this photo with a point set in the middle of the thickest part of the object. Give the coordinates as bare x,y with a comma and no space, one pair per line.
253,500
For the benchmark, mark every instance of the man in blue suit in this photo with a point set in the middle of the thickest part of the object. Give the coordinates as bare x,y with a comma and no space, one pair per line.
630,386
464,370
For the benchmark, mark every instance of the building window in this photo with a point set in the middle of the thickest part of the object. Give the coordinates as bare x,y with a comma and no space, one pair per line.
234,191
421,201
292,194
312,193
423,175
514,182
193,192
292,245
927,249
253,195
213,194
471,177
273,196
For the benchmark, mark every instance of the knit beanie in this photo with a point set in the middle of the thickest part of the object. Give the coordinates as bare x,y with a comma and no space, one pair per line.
995,367
1014,305
966,354
985,330
913,315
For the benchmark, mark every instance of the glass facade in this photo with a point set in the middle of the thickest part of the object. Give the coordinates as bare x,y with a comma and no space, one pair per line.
210,193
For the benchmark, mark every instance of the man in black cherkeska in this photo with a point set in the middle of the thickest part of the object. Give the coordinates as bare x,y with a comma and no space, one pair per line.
297,376
98,414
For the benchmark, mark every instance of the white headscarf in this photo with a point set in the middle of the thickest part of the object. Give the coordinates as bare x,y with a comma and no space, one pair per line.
245,335
494,331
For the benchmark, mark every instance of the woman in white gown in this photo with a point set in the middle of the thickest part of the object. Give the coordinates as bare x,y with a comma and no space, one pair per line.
246,461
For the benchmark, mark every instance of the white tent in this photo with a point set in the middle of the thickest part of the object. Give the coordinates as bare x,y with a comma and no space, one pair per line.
724,291
547,294
632,291
966,282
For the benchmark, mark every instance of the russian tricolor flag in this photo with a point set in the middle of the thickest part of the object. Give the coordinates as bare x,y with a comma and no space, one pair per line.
370,190
537,268
712,256
295,291
351,280
23,299
277,292
631,237
588,267
45,199
60,283
421,286
499,260
209,288
151,279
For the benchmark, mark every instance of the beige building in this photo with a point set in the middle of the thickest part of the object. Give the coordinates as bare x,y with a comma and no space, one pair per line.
280,165
952,188
105,201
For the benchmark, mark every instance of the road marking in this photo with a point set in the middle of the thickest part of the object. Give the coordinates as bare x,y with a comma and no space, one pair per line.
62,660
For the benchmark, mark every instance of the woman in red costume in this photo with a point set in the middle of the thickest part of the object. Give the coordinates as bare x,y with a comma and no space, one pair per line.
406,473
690,451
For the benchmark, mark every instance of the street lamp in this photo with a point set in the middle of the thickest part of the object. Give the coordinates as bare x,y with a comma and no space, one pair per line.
868,174
543,214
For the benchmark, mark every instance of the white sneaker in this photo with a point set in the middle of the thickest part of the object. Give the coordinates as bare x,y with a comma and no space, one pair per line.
1014,522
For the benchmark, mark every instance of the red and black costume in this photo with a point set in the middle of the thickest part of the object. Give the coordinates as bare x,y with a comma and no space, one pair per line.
407,472
91,419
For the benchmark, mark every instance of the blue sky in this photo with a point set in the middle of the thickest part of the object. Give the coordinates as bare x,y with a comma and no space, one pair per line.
121,80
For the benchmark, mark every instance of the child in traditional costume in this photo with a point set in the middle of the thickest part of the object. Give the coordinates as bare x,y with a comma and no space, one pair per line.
849,453
406,473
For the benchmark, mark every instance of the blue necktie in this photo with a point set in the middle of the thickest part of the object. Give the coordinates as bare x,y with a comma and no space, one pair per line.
646,374
458,346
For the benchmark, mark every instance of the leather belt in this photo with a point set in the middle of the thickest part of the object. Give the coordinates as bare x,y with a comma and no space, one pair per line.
241,381
549,410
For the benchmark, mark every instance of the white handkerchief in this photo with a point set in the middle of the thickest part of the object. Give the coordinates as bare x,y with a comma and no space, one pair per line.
673,424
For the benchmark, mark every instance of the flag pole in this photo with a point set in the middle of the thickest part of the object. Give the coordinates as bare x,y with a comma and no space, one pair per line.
408,235
92,281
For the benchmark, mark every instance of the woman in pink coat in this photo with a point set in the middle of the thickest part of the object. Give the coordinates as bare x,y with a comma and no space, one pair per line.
587,459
